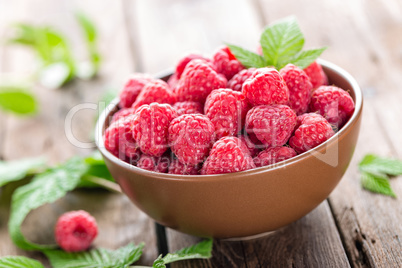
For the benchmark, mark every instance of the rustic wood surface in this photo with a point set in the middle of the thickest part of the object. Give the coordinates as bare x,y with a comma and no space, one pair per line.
353,228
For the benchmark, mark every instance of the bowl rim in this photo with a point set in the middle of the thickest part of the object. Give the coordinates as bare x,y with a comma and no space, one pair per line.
175,177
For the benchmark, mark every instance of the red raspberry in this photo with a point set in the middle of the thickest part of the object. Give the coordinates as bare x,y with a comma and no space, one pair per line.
266,86
191,137
181,65
197,81
176,167
253,148
238,79
151,163
172,81
308,117
226,63
334,103
122,113
156,91
272,125
150,127
313,130
316,74
226,109
133,88
229,154
75,231
188,107
299,86
273,155
119,140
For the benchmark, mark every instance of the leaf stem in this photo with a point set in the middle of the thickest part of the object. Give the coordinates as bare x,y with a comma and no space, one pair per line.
114,187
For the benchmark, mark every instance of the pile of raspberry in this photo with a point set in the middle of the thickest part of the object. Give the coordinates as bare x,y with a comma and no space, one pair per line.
215,116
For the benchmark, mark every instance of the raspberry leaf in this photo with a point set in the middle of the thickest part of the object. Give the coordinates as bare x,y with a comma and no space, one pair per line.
281,40
247,58
95,258
17,100
44,188
377,183
375,164
19,262
304,58
202,250
17,170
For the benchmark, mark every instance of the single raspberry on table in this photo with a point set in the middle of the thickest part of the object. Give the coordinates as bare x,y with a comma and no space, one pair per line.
122,113
238,79
118,139
316,74
150,126
312,131
228,154
273,155
333,103
251,146
226,109
155,91
176,167
75,231
188,107
197,81
272,125
266,86
132,89
226,63
152,163
190,137
181,65
299,86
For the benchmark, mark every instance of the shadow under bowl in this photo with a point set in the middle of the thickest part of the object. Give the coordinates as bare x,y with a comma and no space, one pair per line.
243,203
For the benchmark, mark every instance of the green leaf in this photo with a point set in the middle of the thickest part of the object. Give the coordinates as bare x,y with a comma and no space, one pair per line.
55,75
119,258
96,169
304,58
202,250
44,188
17,170
377,183
281,41
87,26
17,100
19,262
246,57
375,164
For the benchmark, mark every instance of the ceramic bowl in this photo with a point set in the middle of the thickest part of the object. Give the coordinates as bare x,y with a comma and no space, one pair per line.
243,203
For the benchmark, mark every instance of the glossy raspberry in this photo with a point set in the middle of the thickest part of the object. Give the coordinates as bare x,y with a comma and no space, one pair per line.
299,86
176,167
229,154
191,136
333,103
266,86
133,88
251,146
188,107
197,81
155,91
313,130
316,74
181,65
238,79
152,163
118,139
272,125
150,127
226,109
226,63
273,155
75,231
122,113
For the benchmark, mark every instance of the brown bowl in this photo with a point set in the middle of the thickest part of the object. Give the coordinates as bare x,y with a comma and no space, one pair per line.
243,203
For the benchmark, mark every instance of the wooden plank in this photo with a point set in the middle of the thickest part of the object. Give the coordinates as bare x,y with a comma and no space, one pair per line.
361,38
119,221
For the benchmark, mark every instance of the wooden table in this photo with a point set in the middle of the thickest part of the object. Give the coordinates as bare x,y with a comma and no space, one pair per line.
352,227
